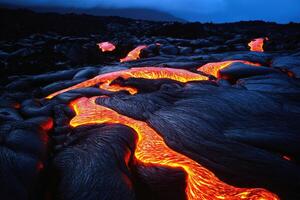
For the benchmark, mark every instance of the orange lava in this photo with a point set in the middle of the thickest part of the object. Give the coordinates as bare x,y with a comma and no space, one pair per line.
257,44
134,54
151,149
214,67
105,80
106,46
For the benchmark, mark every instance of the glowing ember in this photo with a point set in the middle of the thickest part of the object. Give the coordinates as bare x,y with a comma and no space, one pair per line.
151,149
134,54
105,80
287,158
106,46
213,68
47,125
257,44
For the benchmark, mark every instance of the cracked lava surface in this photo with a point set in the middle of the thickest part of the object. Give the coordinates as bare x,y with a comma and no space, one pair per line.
151,148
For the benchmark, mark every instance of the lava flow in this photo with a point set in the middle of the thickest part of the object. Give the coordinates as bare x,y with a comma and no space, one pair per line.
257,44
151,149
134,54
105,80
106,46
214,67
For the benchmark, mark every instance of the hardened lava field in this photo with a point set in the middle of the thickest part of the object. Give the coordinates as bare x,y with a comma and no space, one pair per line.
152,111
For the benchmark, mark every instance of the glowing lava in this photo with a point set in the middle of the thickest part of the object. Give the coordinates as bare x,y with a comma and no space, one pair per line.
214,67
106,46
105,80
134,54
151,149
257,44
287,158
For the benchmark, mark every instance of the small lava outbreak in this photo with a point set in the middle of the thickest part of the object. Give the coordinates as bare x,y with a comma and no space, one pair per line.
134,54
106,46
257,44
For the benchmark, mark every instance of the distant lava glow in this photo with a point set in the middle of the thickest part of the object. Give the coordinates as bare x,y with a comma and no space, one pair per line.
257,44
151,149
287,158
106,46
105,80
134,54
214,67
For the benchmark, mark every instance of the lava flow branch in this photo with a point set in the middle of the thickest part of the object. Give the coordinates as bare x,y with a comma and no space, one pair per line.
214,67
151,149
134,54
105,80
257,44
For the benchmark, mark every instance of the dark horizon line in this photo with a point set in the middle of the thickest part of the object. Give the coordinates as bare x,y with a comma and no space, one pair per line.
77,10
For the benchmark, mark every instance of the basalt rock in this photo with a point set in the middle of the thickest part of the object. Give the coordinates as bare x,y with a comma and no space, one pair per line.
289,64
239,70
169,50
243,125
99,150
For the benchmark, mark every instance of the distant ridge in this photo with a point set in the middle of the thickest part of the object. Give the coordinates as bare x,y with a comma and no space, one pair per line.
132,13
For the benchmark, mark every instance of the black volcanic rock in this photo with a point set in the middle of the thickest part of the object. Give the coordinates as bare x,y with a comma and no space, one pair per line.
169,50
95,153
289,64
239,70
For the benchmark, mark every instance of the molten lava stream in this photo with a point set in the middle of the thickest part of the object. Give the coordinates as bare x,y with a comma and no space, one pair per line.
151,148
214,67
105,80
134,54
257,44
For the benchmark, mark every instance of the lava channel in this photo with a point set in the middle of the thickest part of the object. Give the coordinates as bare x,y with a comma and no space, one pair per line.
151,149
257,44
134,54
214,67
106,46
105,80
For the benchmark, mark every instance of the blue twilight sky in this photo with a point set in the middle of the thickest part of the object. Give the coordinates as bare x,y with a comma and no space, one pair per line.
281,11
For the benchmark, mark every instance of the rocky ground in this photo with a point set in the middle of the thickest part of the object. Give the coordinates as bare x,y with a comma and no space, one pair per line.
242,124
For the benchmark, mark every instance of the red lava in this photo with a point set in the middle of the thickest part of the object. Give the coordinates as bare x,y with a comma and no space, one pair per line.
287,158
